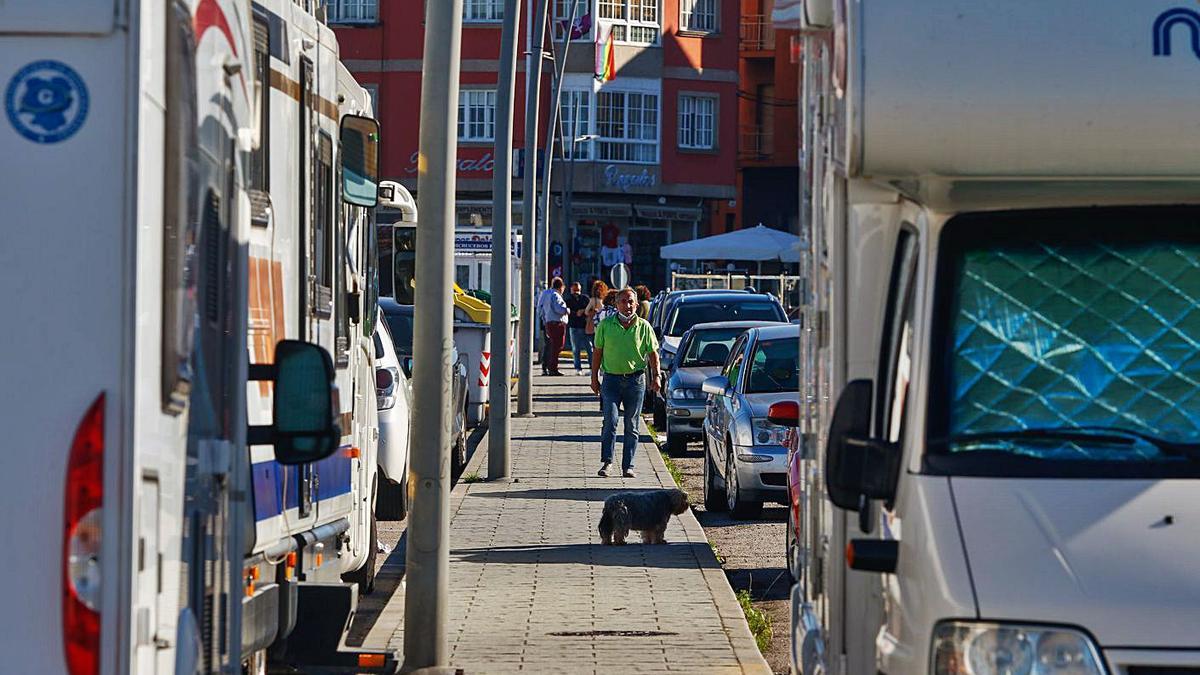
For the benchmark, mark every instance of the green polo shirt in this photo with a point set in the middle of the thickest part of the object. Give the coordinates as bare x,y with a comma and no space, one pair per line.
625,349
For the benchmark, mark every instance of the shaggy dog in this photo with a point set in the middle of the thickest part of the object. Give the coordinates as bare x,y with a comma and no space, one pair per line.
646,510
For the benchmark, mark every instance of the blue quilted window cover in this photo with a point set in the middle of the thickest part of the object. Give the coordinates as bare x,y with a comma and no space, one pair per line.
1078,334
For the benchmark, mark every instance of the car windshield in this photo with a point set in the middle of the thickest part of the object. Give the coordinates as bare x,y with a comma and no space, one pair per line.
1071,348
401,328
689,314
775,366
710,347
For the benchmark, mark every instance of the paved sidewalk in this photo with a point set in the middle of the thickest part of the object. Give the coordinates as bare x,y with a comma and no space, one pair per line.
533,590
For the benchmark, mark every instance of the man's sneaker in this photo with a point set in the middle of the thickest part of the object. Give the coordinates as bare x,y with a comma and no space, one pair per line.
603,472
630,474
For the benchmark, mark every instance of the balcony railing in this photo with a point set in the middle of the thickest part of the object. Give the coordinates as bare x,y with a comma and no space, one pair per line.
757,33
756,142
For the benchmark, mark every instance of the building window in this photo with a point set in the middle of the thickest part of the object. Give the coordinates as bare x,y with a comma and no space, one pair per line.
477,114
632,21
697,122
352,11
483,11
627,127
698,15
575,114
582,24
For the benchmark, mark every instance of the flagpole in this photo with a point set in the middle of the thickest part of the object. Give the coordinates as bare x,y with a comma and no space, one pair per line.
558,70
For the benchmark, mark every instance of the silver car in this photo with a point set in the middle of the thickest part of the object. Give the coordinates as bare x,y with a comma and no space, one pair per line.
703,351
745,460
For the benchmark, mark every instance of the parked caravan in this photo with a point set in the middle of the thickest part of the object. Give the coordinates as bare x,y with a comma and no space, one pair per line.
124,245
998,445
312,279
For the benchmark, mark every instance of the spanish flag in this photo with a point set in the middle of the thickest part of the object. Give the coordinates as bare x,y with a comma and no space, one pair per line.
606,68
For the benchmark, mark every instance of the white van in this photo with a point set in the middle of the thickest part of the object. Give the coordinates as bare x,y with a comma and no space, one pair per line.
998,467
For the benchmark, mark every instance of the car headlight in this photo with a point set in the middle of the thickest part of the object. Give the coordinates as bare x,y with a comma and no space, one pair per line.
766,433
969,648
682,394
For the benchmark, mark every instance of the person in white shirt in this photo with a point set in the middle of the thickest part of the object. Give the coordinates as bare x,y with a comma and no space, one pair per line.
553,311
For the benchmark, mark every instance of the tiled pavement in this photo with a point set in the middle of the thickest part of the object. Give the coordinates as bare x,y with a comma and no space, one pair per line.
533,590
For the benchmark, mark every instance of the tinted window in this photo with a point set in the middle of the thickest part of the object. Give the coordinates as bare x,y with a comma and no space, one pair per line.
690,314
775,366
710,347
401,328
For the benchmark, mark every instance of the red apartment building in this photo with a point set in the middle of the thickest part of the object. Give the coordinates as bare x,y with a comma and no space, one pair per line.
656,163
768,142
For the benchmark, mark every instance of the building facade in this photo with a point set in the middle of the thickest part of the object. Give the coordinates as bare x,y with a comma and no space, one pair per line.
768,169
642,160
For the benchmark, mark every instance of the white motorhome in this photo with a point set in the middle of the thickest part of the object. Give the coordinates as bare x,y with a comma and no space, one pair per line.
121,118
999,449
312,278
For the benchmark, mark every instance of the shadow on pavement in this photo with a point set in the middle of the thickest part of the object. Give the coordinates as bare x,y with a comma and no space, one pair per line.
581,494
764,583
667,556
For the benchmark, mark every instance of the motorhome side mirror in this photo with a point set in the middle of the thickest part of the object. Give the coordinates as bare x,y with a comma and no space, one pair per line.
717,385
406,365
305,406
784,413
360,161
858,468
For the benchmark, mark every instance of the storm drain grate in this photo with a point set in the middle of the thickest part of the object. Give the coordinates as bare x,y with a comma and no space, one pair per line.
611,633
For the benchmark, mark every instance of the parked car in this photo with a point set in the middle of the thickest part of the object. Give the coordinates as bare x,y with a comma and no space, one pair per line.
692,308
745,460
703,351
394,395
399,319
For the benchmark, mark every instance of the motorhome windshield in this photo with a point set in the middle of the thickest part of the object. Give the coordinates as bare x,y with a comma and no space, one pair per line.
1070,345
689,314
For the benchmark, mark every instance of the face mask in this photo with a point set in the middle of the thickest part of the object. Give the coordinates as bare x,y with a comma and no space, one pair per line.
625,318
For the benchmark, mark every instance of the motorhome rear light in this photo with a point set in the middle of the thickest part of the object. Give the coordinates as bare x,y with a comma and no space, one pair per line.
84,493
370,660
383,379
354,453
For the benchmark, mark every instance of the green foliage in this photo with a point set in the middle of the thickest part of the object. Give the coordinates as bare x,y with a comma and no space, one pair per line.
760,623
472,477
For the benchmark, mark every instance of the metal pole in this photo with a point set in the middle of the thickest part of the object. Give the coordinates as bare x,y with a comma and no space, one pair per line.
533,70
428,556
558,70
569,188
498,386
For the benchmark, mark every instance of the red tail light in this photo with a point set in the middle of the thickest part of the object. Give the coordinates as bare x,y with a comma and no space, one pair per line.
81,544
383,379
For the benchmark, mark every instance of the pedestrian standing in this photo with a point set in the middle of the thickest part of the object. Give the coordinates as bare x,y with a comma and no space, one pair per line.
577,321
553,310
627,353
599,289
643,296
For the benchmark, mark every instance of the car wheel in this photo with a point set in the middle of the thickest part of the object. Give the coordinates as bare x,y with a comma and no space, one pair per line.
365,575
740,508
676,444
714,497
458,454
392,501
792,548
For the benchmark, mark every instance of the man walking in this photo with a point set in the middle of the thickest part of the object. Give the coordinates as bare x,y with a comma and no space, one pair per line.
553,311
577,303
625,350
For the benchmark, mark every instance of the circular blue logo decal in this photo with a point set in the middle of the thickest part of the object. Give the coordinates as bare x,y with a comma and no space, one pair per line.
46,101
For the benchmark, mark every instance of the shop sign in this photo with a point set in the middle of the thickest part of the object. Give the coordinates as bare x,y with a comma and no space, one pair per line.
615,176
483,164
481,244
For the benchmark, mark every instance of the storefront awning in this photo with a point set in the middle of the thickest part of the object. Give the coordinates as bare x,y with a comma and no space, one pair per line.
600,210
690,213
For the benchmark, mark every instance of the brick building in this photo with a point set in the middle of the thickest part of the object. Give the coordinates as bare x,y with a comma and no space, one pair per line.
657,159
768,144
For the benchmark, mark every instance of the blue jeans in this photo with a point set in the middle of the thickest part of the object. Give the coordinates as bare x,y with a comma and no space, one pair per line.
581,342
621,391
